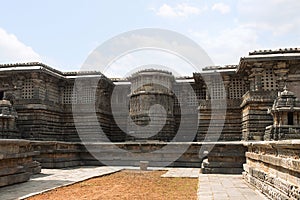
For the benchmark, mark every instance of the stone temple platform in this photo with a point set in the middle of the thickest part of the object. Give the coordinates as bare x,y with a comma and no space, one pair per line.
211,186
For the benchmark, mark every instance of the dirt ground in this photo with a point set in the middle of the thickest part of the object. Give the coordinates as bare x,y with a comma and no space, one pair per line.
127,184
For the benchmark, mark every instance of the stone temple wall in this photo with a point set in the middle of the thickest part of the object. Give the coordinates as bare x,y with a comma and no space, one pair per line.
120,112
219,111
16,161
255,117
43,99
38,104
219,125
38,121
43,103
224,157
274,168
19,159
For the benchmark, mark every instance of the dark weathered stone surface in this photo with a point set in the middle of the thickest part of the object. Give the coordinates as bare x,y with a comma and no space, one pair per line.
224,157
16,161
150,88
8,117
274,168
43,98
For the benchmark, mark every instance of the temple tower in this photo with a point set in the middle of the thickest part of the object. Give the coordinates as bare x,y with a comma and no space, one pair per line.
151,115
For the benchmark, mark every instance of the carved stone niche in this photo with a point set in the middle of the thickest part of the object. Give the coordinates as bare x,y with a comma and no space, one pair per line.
286,117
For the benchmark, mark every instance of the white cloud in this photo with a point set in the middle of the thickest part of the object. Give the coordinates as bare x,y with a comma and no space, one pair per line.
180,10
13,50
137,60
166,11
221,7
146,46
229,45
268,24
279,17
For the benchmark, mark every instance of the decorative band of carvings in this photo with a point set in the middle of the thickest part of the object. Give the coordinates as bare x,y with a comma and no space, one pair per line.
273,187
288,163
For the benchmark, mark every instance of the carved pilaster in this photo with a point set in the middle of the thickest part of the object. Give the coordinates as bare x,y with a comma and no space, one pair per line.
208,88
226,81
281,72
61,90
255,78
36,88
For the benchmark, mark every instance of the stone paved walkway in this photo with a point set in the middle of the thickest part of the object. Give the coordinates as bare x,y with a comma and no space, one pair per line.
224,187
211,186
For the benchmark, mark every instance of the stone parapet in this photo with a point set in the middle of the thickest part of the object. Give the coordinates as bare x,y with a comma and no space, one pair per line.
274,168
224,157
282,132
58,154
16,161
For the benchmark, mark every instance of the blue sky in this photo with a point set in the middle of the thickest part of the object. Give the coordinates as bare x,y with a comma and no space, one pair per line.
63,33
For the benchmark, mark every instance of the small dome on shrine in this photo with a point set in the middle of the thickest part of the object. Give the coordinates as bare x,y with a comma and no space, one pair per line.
286,100
286,92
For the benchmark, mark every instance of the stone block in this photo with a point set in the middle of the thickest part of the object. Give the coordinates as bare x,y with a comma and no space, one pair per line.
16,161
272,168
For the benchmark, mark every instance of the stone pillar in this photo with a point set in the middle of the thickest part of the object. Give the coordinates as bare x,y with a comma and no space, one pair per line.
208,89
247,83
36,81
255,78
281,72
61,87
18,92
252,82
226,81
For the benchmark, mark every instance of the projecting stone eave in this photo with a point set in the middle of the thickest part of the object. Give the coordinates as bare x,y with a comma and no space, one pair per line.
267,56
220,68
285,109
198,76
41,67
30,67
